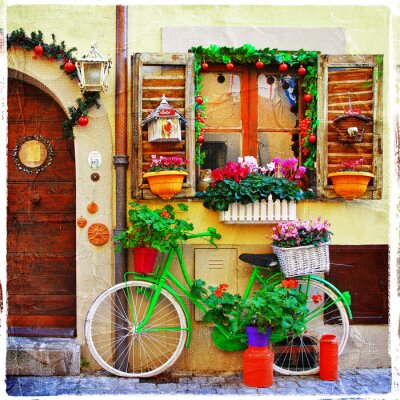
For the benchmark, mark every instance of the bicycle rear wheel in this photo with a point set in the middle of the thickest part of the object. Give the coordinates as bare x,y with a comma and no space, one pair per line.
299,355
113,340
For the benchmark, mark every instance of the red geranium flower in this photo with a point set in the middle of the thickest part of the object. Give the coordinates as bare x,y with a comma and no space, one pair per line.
218,292
316,298
165,214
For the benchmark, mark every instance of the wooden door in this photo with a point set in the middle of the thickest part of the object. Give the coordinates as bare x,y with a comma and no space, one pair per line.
41,216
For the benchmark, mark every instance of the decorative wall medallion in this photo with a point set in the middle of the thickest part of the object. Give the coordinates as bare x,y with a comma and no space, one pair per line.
81,222
92,208
33,154
94,159
98,234
95,177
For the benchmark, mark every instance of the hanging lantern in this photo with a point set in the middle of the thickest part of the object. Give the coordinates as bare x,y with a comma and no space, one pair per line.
164,123
92,71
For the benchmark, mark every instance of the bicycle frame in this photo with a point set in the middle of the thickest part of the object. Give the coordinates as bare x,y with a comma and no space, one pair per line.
160,282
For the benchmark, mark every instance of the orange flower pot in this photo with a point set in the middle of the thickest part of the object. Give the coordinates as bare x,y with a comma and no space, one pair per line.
350,184
165,184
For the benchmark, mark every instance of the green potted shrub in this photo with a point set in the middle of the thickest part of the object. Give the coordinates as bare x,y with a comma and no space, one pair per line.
152,231
246,183
276,307
166,175
350,181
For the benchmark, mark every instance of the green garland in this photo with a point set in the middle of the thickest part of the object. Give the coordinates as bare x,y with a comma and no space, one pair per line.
58,52
248,54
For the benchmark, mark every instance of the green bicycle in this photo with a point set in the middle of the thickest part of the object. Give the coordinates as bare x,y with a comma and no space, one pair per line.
139,328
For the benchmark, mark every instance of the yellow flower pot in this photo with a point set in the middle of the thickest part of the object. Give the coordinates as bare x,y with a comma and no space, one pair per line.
165,184
350,184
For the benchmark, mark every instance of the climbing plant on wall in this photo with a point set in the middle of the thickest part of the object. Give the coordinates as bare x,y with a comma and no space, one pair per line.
59,53
248,54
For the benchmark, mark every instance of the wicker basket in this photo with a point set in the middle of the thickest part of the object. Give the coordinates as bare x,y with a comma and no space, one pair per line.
351,126
303,260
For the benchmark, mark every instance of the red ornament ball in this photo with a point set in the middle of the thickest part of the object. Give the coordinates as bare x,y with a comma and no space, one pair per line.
200,139
83,120
229,66
307,97
38,50
312,139
301,71
259,64
283,67
69,66
204,65
199,100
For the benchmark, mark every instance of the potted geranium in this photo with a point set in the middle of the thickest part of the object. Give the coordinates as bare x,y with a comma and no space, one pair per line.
277,307
351,181
152,231
302,247
166,175
245,192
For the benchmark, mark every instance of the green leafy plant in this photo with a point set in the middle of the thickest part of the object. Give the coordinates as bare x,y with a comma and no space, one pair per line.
279,305
159,228
224,308
245,182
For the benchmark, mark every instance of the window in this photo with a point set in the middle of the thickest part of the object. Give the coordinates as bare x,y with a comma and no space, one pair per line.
252,111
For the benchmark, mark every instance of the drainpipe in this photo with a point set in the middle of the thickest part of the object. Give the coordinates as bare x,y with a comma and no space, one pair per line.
121,157
121,165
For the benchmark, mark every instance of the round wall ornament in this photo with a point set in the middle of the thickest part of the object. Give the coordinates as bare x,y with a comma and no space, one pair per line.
33,154
98,234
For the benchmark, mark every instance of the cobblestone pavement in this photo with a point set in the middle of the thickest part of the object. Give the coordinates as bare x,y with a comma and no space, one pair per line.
376,383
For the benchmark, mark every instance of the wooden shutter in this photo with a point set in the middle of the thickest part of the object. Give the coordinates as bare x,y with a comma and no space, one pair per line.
360,77
155,74
363,271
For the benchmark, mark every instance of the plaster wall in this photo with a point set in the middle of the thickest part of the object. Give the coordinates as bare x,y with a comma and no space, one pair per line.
366,31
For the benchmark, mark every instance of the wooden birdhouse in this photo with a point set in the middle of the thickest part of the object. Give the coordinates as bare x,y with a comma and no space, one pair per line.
164,123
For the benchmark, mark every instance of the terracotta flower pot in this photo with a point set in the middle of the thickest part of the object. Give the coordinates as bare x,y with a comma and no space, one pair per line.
350,184
165,184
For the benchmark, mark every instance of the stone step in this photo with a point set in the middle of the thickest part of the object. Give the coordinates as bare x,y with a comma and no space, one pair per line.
42,356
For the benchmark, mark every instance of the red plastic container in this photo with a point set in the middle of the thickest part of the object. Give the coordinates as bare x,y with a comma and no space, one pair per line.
328,358
258,367
144,259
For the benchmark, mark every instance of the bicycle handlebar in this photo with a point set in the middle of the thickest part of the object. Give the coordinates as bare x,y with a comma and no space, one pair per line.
211,234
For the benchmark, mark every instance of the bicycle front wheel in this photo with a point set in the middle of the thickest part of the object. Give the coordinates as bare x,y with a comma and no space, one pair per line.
116,343
299,355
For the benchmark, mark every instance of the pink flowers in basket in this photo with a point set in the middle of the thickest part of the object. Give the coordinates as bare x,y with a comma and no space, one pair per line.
301,233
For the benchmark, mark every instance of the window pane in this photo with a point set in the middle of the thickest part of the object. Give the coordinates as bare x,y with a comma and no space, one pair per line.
274,144
275,97
223,93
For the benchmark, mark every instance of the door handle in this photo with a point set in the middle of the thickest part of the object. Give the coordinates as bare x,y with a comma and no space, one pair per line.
35,198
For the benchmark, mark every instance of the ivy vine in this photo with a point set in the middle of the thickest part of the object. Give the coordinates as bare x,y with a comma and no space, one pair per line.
57,52
248,54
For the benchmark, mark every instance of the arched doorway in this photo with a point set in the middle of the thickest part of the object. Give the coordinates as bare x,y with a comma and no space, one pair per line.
41,243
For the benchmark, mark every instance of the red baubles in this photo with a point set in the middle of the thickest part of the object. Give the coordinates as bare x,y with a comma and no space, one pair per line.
199,100
259,64
312,138
204,65
69,66
38,50
83,120
301,71
229,66
200,138
307,97
283,67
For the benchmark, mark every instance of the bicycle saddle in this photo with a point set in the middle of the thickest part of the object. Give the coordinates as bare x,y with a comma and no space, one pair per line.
260,260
